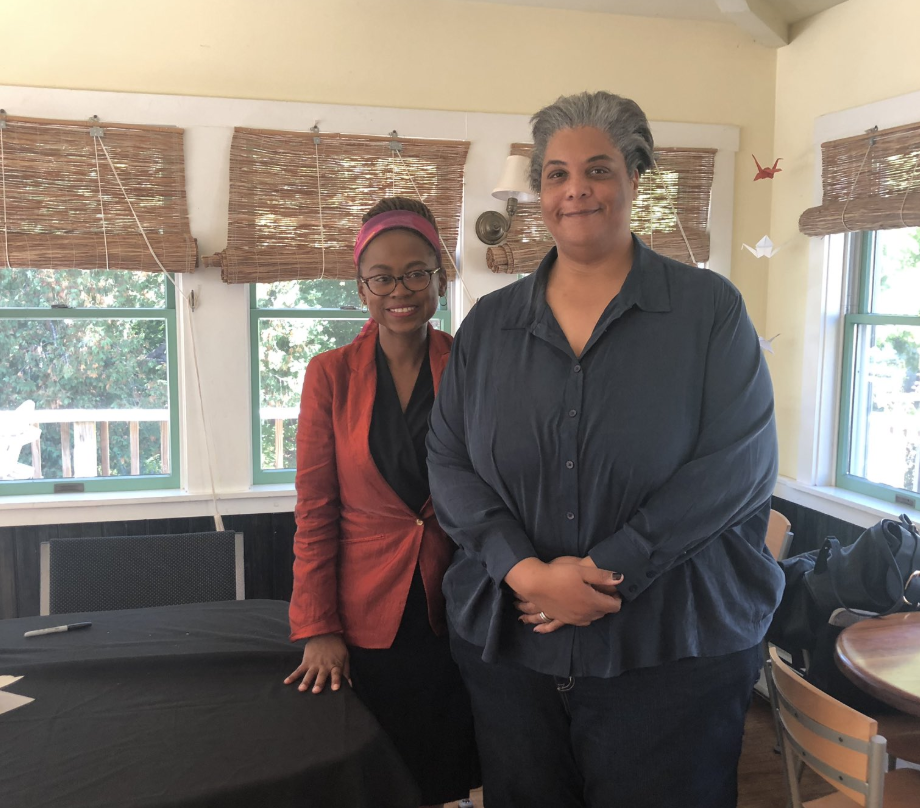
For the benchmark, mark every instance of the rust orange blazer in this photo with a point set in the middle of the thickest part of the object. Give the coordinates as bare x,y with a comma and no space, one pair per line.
357,542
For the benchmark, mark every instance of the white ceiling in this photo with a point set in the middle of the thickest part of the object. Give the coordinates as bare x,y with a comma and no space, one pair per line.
767,20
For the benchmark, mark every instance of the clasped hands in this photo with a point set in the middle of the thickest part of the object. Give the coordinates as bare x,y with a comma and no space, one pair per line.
567,590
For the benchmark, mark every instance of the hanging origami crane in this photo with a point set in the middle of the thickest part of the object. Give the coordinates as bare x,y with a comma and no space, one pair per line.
766,173
765,248
767,344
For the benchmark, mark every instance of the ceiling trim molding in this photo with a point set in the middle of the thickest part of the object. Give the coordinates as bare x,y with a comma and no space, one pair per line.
759,19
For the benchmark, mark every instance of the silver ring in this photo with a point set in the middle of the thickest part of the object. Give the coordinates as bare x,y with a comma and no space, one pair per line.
544,618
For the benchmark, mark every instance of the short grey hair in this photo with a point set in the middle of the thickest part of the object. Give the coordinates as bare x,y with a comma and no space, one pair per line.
621,119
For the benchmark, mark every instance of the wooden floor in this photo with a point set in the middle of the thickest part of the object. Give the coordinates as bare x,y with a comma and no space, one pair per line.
760,772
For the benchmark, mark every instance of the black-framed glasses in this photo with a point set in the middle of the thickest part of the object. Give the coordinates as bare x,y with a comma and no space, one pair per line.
414,281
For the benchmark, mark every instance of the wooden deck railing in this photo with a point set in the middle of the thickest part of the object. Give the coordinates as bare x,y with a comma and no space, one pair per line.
85,448
279,415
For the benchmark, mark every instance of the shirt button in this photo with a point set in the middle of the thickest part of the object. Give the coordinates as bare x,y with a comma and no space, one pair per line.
632,587
419,522
577,368
569,464
573,413
570,515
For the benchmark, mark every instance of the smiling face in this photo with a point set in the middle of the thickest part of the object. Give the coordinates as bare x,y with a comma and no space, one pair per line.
586,193
396,252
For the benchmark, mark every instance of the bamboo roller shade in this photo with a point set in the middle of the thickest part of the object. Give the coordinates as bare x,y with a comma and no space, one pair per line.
870,182
684,174
277,179
54,216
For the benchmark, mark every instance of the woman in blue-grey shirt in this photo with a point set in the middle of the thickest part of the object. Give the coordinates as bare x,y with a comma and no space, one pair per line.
603,451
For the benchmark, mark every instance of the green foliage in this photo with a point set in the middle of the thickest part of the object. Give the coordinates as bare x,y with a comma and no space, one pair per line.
896,290
287,344
85,363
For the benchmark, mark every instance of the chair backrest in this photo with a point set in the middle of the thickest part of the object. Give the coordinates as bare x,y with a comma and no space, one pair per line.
835,741
131,572
779,535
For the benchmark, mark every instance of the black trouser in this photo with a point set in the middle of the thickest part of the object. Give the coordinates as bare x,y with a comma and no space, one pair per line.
650,738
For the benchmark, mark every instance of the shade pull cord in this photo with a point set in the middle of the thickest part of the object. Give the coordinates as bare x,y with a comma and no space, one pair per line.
6,235
440,238
319,197
218,519
862,165
667,193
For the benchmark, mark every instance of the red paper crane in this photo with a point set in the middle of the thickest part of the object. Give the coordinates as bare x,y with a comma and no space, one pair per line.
766,173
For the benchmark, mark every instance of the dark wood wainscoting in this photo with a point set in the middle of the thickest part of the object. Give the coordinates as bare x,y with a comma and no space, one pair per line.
268,538
810,528
269,548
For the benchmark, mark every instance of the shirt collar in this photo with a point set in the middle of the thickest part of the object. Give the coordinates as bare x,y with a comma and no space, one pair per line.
646,287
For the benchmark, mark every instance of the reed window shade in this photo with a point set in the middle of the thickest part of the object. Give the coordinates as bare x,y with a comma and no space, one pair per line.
63,207
296,205
870,182
679,187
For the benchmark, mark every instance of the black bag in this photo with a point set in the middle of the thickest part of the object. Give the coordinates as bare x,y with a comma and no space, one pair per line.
878,573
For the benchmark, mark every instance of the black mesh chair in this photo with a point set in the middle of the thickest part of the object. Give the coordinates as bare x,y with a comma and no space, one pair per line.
132,572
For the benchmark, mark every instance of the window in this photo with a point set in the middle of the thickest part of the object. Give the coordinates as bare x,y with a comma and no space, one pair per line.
290,323
879,436
89,396
296,202
91,213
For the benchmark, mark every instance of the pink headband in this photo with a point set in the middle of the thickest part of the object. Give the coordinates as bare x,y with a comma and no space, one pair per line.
396,218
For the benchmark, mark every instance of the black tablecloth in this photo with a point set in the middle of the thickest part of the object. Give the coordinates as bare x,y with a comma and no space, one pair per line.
183,706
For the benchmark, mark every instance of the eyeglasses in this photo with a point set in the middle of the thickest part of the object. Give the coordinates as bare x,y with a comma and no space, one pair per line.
414,281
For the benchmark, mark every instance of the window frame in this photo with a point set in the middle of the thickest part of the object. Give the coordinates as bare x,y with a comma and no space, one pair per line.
133,482
260,475
856,313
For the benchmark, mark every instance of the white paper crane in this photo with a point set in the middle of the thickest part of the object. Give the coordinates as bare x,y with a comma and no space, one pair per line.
767,344
763,249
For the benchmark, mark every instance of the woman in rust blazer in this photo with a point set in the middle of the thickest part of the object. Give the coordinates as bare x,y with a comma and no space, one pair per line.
369,553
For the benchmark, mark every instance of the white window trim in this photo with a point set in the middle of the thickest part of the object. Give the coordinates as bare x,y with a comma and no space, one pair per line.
221,321
821,368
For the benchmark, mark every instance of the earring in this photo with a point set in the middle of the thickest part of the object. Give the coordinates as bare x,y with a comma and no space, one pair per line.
442,302
364,307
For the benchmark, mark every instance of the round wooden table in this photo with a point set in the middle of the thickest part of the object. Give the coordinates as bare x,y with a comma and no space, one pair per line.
882,657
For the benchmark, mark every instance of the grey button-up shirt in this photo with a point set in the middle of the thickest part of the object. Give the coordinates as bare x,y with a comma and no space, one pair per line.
654,452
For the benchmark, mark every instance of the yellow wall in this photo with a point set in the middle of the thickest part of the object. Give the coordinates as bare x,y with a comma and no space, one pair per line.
854,54
427,54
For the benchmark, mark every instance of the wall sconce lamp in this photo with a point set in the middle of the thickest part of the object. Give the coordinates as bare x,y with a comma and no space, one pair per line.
513,186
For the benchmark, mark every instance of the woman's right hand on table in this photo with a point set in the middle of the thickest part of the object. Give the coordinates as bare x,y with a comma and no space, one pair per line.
325,658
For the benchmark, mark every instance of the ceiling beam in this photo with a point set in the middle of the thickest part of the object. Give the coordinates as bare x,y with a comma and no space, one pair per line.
759,18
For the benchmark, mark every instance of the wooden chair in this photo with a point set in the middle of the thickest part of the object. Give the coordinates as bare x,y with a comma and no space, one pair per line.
132,572
779,535
778,542
838,743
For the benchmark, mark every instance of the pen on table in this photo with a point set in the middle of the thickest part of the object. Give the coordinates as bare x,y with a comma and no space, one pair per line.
57,629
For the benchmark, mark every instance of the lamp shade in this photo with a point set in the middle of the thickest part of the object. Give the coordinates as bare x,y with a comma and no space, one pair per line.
515,180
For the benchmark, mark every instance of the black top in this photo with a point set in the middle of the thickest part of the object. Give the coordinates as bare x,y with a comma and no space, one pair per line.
184,706
397,439
654,452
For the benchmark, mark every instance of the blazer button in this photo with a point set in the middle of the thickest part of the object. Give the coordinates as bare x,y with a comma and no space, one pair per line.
419,522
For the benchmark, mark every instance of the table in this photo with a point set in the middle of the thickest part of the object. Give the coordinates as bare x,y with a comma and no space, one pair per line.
184,706
882,657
